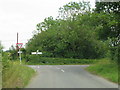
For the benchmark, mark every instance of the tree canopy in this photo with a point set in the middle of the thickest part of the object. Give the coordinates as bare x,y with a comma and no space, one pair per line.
78,32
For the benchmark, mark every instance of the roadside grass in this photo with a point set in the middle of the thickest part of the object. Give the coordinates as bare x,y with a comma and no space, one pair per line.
0,74
16,75
106,69
36,60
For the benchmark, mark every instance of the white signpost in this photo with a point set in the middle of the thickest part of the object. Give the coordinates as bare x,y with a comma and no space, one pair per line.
19,45
37,52
33,52
19,51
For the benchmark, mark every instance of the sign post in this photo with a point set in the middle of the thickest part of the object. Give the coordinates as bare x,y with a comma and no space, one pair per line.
19,45
20,55
37,52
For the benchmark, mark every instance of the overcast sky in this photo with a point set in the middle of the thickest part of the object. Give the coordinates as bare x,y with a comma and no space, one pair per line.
22,16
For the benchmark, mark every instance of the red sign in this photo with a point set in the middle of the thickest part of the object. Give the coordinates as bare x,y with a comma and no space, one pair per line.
19,45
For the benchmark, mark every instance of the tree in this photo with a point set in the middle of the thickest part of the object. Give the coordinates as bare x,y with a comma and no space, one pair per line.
13,53
72,9
46,24
107,7
111,22
111,29
1,47
80,35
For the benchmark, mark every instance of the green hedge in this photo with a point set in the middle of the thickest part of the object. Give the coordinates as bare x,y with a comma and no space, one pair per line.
36,59
114,53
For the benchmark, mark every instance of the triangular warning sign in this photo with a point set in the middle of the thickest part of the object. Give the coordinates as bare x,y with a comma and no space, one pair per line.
19,45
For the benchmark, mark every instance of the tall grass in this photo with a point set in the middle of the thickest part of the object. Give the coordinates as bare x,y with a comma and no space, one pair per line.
106,69
0,70
16,75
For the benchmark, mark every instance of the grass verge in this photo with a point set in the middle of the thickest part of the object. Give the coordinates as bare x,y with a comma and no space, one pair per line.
16,75
106,69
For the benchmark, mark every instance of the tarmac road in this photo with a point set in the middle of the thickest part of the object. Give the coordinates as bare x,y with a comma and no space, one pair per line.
66,76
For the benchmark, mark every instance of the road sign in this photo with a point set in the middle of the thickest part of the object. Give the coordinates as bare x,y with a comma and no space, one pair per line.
39,52
33,52
36,52
19,51
19,45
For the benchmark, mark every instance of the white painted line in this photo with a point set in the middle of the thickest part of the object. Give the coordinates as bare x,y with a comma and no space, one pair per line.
62,70
38,67
58,68
34,66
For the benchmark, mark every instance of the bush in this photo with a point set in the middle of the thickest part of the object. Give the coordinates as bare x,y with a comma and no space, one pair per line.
114,55
5,60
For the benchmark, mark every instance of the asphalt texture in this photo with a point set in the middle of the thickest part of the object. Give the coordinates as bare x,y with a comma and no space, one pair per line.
66,76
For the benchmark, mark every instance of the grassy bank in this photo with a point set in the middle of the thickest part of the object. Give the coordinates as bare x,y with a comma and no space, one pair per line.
106,69
16,75
36,60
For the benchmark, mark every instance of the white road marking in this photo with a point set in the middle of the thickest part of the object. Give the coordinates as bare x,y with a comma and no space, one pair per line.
57,68
38,67
62,70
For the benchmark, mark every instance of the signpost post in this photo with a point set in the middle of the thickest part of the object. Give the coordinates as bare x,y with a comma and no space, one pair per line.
19,45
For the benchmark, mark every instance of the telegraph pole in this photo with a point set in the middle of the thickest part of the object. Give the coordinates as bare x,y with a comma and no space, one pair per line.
17,37
17,42
17,46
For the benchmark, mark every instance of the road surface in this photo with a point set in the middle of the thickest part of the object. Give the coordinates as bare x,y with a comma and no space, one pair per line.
66,76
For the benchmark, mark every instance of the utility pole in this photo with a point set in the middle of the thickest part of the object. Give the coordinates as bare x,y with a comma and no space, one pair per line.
17,42
17,46
17,37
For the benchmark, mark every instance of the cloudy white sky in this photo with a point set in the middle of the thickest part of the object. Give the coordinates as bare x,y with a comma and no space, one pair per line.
22,16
